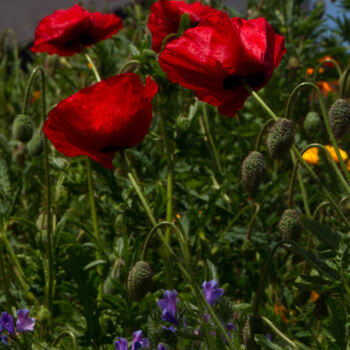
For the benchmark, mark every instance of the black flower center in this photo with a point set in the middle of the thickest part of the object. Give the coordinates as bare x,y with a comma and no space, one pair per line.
194,24
83,40
233,81
108,149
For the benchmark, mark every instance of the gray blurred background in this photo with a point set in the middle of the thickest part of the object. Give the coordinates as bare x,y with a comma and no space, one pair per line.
23,15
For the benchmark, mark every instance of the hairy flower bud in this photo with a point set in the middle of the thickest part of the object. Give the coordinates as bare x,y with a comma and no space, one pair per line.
22,128
313,124
253,325
248,249
139,280
290,225
149,54
280,137
36,145
339,117
44,315
253,171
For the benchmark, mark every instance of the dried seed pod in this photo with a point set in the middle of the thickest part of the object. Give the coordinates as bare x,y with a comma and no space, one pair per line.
253,325
253,171
339,117
22,128
290,225
280,137
36,145
139,280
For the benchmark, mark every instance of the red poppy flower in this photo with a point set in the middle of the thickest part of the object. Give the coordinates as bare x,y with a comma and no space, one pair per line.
66,32
214,57
103,118
166,15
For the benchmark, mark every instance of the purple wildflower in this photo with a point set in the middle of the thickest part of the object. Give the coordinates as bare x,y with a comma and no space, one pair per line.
6,323
231,327
161,347
168,305
4,339
212,292
121,344
24,323
268,336
138,342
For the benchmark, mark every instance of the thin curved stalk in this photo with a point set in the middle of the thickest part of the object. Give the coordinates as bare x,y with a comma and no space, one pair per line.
208,137
261,133
93,67
278,332
343,85
336,65
64,334
50,238
251,221
296,172
237,216
326,121
319,207
332,162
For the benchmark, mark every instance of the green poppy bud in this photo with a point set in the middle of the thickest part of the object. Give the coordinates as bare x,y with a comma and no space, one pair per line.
109,287
339,117
280,137
149,54
253,171
44,315
248,249
313,124
36,145
253,325
139,280
22,128
290,225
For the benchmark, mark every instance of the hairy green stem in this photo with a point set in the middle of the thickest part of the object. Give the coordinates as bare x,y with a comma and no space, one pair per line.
68,334
261,133
336,65
208,137
257,208
93,67
170,174
278,332
344,82
296,172
50,238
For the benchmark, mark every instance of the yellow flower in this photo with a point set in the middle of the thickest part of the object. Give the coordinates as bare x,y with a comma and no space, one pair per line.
331,150
89,65
178,216
311,155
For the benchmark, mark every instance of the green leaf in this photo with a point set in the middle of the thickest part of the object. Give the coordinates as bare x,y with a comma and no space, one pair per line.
322,231
94,263
261,339
315,262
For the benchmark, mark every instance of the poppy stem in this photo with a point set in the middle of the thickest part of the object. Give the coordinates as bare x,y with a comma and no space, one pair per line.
50,238
92,205
93,67
261,134
296,172
150,216
208,137
344,82
170,175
